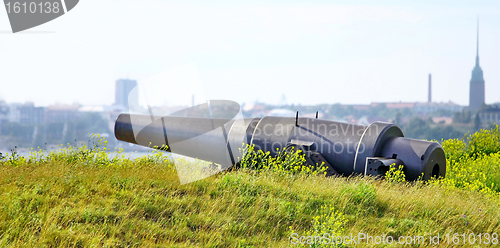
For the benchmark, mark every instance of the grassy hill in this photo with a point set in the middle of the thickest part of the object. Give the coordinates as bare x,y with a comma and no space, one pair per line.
80,197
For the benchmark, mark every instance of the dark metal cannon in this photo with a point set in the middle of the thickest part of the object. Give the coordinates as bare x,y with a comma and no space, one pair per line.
345,149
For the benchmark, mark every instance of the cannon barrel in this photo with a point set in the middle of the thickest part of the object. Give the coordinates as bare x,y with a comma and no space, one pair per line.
346,149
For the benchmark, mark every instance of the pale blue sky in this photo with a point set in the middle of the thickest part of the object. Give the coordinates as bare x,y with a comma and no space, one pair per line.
311,51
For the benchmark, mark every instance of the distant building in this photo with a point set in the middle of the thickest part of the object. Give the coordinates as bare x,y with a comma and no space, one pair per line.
124,93
442,119
13,114
400,105
476,93
4,111
360,106
103,111
25,113
428,107
61,113
29,114
395,105
490,115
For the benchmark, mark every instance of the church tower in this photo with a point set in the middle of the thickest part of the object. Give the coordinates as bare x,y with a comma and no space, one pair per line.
476,93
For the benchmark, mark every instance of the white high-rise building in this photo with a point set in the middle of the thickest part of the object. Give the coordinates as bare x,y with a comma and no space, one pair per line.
124,94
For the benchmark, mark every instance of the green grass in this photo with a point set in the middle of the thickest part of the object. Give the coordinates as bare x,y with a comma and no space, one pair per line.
79,197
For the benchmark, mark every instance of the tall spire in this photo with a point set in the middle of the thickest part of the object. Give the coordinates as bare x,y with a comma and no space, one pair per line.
476,92
477,44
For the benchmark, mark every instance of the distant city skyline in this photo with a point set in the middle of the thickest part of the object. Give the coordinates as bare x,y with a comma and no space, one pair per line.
311,52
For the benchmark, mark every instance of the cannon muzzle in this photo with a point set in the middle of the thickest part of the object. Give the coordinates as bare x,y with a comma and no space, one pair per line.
345,149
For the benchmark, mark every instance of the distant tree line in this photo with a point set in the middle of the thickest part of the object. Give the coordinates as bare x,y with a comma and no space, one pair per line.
417,127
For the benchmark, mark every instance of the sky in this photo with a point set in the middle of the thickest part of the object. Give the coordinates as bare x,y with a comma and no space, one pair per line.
313,52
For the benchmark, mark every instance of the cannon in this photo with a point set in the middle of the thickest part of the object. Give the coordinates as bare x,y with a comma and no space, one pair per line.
345,149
